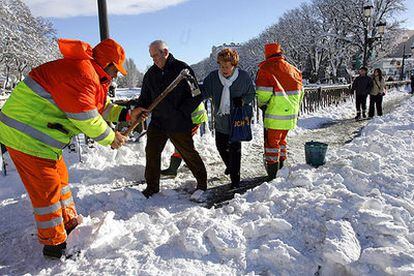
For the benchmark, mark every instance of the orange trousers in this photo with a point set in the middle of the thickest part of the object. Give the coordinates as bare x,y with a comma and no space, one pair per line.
46,182
275,145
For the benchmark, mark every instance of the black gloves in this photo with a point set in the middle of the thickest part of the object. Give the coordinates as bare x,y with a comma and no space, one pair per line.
238,102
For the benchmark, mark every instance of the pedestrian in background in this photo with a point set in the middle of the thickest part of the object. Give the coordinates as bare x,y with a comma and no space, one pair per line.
362,87
377,93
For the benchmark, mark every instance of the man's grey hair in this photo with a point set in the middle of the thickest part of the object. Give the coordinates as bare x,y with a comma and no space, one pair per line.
161,44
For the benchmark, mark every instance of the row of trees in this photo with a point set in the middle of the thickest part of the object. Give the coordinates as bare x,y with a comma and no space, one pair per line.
25,41
324,38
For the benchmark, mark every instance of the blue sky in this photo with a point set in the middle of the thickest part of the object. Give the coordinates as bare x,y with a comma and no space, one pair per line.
190,27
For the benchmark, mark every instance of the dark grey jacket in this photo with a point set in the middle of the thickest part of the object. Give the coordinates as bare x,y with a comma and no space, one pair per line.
362,85
241,87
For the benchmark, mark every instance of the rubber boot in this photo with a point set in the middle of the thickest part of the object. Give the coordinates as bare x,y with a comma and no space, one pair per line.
235,181
175,163
281,163
54,251
272,171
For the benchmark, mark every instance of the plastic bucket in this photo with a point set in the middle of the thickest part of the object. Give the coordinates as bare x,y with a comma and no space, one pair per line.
315,153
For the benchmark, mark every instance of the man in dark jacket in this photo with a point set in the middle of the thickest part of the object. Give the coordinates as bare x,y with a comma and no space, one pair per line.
362,86
412,82
171,119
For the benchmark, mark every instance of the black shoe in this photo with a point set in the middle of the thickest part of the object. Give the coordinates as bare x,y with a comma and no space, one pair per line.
364,115
272,171
149,192
54,251
227,171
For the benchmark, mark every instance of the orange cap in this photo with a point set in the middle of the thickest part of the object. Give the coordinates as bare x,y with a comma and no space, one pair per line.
109,51
272,49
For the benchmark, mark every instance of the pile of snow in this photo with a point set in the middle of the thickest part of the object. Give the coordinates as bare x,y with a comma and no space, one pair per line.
352,216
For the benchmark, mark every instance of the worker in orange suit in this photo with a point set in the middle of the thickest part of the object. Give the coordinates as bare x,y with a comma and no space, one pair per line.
279,93
55,102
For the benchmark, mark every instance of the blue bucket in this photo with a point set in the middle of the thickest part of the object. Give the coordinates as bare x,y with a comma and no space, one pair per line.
315,153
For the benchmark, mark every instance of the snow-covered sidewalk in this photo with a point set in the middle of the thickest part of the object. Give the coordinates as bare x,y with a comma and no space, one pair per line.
353,215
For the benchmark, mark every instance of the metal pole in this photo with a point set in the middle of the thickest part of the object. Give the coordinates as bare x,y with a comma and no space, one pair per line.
103,19
364,63
402,64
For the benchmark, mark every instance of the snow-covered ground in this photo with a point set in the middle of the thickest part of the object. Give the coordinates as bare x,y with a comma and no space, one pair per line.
353,215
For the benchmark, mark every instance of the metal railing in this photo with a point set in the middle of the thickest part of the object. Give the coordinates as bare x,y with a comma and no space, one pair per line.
315,98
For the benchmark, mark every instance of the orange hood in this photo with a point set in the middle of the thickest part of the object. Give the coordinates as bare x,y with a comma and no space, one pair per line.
75,49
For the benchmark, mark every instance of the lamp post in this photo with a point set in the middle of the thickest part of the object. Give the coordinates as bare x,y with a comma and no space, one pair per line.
368,41
103,19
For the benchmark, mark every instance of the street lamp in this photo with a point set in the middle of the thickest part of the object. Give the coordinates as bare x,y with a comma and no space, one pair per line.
404,56
368,41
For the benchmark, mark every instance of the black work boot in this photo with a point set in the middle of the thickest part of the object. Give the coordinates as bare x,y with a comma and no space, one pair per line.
148,192
54,251
235,180
364,115
175,163
281,163
272,171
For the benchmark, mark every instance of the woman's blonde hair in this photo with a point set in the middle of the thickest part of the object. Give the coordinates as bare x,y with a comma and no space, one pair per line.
228,55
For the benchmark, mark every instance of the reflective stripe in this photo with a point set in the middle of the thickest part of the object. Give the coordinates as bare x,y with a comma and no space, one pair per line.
47,210
283,154
34,133
50,223
83,116
288,93
271,158
282,147
195,114
286,118
107,111
103,135
271,150
65,190
39,90
265,88
67,202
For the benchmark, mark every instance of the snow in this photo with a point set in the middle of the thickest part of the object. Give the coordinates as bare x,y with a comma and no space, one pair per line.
352,216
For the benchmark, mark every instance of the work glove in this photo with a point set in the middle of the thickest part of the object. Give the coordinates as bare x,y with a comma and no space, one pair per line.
238,102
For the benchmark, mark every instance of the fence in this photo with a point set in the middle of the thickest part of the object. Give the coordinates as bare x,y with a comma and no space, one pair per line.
315,98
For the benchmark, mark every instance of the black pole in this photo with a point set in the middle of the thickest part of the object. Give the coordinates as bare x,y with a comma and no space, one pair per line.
103,19
364,61
403,64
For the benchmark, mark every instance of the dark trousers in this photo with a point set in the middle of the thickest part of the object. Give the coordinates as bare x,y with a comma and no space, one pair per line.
375,102
361,103
183,142
230,152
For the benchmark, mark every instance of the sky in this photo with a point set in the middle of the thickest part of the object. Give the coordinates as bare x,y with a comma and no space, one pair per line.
190,27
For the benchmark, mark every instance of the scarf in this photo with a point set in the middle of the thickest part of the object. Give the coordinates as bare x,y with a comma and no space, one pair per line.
225,95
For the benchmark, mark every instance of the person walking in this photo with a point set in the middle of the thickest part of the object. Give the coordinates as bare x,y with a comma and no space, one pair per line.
198,117
377,93
228,87
362,87
171,119
279,91
412,82
55,102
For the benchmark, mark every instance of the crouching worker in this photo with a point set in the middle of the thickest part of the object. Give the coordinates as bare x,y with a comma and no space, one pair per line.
199,116
55,102
279,92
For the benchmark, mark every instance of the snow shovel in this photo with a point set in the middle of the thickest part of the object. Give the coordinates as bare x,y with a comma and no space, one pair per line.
184,74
